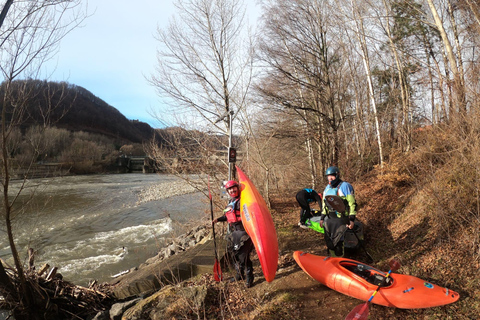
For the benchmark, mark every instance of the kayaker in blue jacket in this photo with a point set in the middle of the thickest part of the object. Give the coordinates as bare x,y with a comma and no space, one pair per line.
338,211
239,243
304,198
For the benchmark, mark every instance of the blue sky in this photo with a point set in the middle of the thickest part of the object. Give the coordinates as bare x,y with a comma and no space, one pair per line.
113,52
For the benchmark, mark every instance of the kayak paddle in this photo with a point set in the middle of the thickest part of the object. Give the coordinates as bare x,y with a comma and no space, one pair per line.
217,270
363,246
360,312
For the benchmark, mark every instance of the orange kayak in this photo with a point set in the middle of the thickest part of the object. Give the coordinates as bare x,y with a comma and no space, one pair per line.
258,223
358,280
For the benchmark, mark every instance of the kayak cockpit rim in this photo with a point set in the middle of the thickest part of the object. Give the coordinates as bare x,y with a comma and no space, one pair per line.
366,273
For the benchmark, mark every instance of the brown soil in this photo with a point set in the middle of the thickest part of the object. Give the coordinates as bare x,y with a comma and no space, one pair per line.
294,295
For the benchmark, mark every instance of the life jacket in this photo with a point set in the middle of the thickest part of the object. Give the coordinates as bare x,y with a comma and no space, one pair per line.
334,191
232,211
332,213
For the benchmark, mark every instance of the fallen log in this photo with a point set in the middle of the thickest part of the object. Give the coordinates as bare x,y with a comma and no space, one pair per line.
51,274
53,297
43,269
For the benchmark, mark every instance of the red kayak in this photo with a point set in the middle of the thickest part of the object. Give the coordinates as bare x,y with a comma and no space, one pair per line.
258,223
358,280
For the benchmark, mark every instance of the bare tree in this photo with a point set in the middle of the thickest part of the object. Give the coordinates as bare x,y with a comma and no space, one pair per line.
454,60
361,36
303,74
204,63
29,34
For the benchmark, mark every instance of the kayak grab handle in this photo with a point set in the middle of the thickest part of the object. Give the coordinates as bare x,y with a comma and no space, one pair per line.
408,290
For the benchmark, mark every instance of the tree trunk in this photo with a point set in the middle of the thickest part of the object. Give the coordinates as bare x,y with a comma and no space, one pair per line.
459,90
405,123
4,12
461,72
360,32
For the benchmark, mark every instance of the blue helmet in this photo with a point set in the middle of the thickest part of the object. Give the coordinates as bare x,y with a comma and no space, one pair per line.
332,171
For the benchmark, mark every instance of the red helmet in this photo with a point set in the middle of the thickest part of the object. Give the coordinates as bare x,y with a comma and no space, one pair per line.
230,184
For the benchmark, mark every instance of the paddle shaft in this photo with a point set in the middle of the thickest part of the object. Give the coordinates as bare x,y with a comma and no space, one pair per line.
213,227
363,246
380,285
216,264
360,312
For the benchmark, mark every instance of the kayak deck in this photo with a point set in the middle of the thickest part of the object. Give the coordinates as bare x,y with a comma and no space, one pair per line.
359,281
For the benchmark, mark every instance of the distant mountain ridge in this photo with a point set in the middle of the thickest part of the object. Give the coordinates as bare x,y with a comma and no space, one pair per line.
75,108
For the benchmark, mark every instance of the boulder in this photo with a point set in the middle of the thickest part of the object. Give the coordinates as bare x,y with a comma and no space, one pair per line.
117,310
151,277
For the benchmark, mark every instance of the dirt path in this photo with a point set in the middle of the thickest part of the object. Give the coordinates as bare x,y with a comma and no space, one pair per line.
295,295
307,298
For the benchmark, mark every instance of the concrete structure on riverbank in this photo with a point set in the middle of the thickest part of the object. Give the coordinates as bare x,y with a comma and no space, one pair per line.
143,164
159,271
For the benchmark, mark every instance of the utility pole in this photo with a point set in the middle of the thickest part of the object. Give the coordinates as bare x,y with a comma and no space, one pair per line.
232,152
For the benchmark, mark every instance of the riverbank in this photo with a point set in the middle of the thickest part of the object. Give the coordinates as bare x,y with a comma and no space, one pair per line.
293,294
212,298
169,189
94,226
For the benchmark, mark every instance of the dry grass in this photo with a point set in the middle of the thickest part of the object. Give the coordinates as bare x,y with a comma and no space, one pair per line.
422,208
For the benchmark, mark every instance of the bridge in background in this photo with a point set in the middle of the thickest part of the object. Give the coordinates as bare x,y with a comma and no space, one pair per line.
136,164
147,165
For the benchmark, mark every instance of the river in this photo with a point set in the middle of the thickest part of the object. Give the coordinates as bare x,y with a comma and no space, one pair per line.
95,226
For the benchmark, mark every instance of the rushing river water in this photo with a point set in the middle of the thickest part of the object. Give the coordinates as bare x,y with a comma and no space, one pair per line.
93,227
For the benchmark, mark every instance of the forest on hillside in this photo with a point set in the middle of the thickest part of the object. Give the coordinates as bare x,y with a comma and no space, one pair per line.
65,126
385,90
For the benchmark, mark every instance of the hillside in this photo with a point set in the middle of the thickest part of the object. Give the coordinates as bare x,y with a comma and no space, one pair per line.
397,223
393,228
76,109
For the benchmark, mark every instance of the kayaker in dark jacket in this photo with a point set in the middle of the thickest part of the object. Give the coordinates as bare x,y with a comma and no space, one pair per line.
304,198
239,243
338,211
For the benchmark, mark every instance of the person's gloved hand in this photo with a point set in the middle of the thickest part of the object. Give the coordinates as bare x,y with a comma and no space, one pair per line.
350,225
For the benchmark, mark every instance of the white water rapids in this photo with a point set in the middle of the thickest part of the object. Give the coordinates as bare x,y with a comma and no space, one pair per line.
95,226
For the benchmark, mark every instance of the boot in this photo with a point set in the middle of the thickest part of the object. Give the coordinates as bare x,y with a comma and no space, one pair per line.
249,281
237,277
250,277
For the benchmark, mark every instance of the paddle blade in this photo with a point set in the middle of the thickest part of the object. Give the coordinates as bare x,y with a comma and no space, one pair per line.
209,193
335,202
360,312
394,264
217,271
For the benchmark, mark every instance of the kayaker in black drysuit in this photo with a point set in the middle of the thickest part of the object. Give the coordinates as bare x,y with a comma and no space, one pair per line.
304,198
338,211
238,241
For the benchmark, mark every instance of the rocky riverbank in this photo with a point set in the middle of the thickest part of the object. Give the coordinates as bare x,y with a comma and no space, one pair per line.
186,256
169,189
291,295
